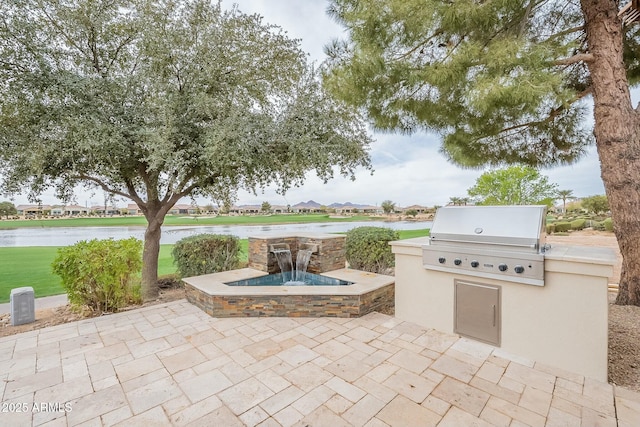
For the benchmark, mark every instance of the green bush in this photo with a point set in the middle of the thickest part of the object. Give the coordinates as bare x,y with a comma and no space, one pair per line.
608,224
101,274
562,227
206,253
578,224
368,249
551,228
597,225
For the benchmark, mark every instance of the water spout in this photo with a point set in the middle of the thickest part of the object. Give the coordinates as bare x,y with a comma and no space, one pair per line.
292,276
302,262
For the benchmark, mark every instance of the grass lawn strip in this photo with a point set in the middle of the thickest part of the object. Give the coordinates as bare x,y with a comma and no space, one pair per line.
31,266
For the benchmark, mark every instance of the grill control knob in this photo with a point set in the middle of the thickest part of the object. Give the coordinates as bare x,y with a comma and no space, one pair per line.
518,269
457,261
442,260
503,267
474,263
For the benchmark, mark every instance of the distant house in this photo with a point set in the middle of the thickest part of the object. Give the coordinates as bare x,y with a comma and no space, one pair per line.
133,209
417,208
184,210
111,210
279,209
28,210
57,210
245,209
307,207
75,210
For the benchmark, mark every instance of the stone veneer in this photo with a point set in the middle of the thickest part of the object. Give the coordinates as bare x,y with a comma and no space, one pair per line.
380,299
330,255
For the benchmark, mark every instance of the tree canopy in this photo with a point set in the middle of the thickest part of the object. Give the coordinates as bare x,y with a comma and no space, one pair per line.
493,77
515,185
596,204
7,208
156,100
388,206
504,82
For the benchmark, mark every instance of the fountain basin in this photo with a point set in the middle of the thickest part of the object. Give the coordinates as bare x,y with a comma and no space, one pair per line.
368,292
279,279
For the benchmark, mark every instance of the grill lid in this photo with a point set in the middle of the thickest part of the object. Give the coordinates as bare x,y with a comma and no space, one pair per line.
521,226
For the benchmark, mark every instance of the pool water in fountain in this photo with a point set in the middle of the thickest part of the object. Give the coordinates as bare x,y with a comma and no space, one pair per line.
291,274
280,279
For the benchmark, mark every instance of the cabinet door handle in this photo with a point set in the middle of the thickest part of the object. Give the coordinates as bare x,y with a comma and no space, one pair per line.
494,315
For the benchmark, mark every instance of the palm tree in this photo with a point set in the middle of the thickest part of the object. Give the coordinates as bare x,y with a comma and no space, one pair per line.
455,201
564,195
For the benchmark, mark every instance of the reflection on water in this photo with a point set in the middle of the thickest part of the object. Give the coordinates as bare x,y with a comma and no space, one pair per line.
64,236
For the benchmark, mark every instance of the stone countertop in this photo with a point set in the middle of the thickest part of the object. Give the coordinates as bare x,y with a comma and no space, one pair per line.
588,254
215,284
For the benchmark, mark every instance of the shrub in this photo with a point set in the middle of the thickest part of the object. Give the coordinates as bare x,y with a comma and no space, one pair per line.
551,228
578,224
562,227
597,225
101,274
368,249
412,212
206,253
608,224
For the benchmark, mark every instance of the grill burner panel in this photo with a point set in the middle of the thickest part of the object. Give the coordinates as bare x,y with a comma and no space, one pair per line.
495,242
490,264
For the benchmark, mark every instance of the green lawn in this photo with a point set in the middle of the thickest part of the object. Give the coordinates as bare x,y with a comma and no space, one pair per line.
128,221
31,266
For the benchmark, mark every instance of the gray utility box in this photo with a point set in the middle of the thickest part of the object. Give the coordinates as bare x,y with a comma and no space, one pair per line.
22,306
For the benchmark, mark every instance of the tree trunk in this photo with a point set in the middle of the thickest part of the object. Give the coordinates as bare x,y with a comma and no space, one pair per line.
617,137
151,251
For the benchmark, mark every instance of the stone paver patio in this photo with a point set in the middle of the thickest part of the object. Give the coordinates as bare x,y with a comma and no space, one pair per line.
174,364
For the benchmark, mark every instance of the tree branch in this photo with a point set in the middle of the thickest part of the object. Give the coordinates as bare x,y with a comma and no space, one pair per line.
131,195
552,114
564,33
580,57
419,45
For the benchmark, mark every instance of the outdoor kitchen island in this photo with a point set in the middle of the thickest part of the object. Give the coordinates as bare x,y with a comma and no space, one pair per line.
561,322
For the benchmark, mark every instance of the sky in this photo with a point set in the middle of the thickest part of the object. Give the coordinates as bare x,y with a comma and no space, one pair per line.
408,169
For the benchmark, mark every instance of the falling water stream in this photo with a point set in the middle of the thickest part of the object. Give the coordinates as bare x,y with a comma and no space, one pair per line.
297,275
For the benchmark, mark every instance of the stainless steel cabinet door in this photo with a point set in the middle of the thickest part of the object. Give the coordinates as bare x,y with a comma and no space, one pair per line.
477,311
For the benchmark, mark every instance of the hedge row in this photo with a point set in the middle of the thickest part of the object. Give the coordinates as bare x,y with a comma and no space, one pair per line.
579,224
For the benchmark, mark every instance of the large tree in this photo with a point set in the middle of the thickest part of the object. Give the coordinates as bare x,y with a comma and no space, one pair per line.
7,208
515,185
156,100
504,81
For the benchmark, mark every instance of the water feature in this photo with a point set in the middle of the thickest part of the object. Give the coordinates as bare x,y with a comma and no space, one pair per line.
262,289
293,274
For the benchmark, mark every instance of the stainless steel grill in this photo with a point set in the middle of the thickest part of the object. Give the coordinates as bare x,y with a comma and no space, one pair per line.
496,242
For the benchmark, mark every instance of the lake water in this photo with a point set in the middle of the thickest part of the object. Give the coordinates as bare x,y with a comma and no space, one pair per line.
64,236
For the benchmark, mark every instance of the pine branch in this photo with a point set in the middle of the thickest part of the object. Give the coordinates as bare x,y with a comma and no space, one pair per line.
555,112
419,45
580,57
564,33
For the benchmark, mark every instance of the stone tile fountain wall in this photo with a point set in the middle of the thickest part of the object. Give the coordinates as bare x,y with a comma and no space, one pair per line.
330,256
370,292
